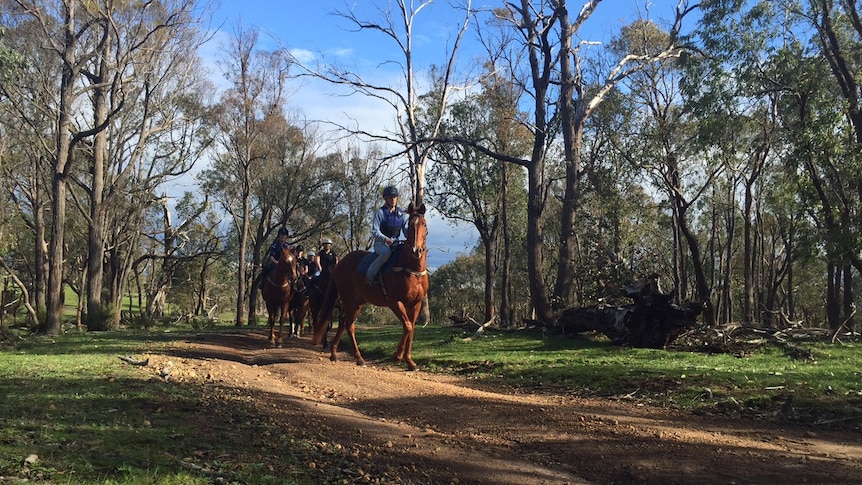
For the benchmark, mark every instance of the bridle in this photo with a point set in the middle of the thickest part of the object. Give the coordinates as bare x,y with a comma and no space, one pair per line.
416,251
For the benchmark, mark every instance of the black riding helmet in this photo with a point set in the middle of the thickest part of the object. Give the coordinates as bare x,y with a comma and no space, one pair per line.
282,231
391,190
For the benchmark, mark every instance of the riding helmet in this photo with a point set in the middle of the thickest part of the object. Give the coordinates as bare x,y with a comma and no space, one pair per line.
391,190
282,230
326,240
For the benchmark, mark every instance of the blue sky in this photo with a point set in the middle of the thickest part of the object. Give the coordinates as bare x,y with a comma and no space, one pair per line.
309,27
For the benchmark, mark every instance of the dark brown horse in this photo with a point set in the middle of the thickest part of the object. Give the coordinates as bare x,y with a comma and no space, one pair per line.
299,307
403,290
317,295
277,291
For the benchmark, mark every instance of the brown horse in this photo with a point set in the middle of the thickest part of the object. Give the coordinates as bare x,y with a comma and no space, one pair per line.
403,290
277,291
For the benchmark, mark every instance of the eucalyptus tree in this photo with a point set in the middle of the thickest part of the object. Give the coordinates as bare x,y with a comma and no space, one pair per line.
257,81
27,140
105,53
204,288
546,63
734,93
57,23
813,71
469,186
839,40
678,168
396,22
149,91
356,193
11,61
297,189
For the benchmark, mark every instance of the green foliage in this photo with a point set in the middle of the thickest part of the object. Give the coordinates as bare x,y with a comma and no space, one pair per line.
457,289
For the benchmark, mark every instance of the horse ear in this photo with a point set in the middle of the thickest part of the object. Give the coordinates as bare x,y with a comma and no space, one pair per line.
421,209
410,208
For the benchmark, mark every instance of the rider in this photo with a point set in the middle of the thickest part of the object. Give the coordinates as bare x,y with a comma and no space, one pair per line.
302,266
325,256
390,221
313,264
274,254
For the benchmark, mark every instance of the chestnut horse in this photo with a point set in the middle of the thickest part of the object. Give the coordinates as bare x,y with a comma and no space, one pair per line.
403,290
277,291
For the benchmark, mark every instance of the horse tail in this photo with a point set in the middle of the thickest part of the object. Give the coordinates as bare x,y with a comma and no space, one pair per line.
324,315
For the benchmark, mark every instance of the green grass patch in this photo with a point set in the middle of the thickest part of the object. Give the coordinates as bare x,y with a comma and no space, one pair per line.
90,418
825,391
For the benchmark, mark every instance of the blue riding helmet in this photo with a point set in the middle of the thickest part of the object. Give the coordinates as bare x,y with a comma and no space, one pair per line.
391,190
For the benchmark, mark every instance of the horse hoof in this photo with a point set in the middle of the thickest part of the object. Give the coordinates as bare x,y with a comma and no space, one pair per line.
360,362
411,366
333,358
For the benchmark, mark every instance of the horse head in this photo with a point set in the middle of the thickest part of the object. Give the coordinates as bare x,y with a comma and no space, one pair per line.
417,235
287,264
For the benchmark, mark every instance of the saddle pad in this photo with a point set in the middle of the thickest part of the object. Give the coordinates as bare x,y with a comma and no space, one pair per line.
363,265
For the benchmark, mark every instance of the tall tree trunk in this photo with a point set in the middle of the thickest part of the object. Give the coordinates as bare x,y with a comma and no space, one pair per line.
849,296
833,307
488,243
258,258
571,119
241,266
747,257
96,318
693,247
506,301
40,250
788,255
62,159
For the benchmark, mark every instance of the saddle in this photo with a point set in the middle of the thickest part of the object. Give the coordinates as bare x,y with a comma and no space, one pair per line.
363,265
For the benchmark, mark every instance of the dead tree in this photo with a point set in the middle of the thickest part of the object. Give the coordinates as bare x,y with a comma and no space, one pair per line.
652,321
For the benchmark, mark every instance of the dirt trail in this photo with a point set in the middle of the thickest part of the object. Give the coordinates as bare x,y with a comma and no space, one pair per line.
437,429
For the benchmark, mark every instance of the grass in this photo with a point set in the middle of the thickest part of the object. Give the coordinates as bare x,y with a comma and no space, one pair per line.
91,418
766,384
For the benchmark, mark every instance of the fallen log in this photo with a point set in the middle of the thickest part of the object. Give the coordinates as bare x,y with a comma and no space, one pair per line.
652,321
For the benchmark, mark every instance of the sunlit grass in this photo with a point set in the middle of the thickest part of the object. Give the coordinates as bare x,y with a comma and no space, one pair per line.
766,383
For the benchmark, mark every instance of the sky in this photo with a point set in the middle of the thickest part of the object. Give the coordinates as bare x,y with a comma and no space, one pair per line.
311,30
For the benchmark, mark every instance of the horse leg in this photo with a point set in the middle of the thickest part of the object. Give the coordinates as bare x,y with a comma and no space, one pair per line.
407,316
345,320
408,337
271,322
351,330
281,318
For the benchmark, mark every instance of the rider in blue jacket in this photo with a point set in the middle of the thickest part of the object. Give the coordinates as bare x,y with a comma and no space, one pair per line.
390,222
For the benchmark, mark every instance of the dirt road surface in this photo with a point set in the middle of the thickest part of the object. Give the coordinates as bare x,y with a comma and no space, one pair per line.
406,427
